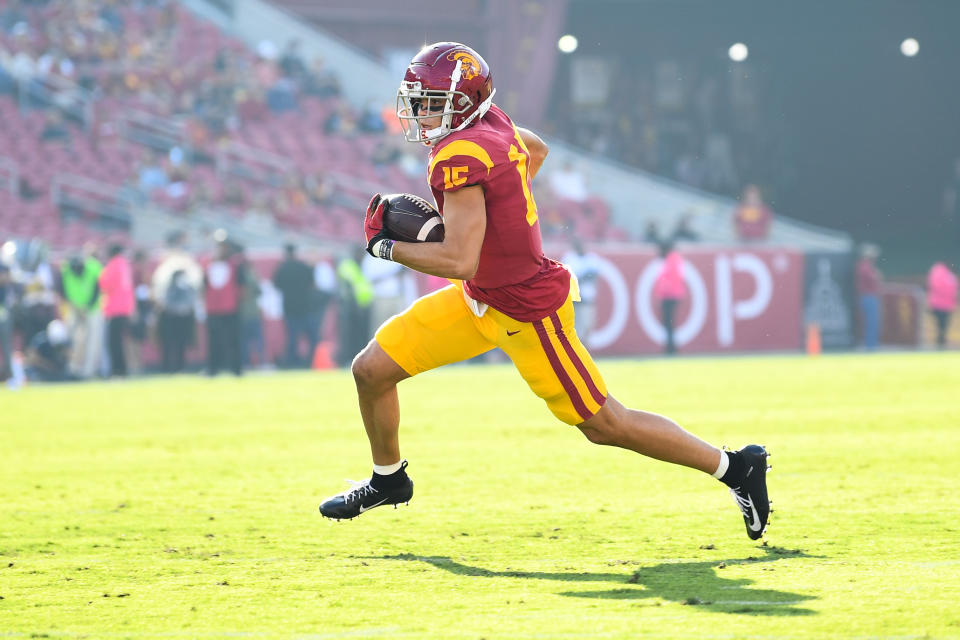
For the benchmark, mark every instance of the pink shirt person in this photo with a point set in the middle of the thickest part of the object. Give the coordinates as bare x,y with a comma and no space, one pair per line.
941,288
669,285
116,284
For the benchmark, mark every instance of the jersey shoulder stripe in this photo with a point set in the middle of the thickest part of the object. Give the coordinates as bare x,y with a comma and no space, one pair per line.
462,148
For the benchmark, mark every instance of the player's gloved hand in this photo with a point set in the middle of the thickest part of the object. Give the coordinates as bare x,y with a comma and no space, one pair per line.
378,245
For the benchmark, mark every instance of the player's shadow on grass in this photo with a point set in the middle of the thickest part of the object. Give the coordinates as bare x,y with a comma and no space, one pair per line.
700,584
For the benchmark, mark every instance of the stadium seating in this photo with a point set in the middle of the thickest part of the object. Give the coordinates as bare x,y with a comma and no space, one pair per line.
160,95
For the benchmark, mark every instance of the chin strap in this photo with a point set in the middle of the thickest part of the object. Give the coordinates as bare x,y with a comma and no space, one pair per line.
476,115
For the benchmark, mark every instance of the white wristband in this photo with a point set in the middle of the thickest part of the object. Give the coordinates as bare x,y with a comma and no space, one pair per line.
383,249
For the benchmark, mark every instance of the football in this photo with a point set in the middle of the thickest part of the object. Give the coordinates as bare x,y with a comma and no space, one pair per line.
410,218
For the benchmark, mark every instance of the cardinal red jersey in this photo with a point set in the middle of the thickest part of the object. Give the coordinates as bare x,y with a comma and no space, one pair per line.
513,276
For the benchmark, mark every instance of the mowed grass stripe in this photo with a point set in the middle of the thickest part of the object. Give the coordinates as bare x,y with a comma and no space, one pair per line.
186,507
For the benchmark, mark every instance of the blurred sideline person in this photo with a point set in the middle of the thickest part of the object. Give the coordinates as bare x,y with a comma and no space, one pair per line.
142,320
116,283
223,286
941,298
47,354
175,319
585,265
355,297
80,289
670,289
178,329
293,278
7,301
752,218
387,280
504,293
253,345
868,290
325,282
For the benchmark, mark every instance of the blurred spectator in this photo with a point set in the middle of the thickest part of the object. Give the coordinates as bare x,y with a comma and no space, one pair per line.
223,280
341,121
293,278
684,231
27,191
35,267
80,289
325,283
387,280
321,81
651,233
116,285
868,290
941,298
176,285
385,154
291,62
142,318
569,183
370,120
670,289
586,266
37,308
320,187
54,127
355,297
8,83
152,175
233,195
282,95
752,217
47,354
177,322
253,345
7,301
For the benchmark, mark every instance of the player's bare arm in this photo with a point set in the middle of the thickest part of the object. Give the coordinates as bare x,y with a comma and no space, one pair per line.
537,148
458,255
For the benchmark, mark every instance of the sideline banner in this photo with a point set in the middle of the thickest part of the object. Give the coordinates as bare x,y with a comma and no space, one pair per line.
738,299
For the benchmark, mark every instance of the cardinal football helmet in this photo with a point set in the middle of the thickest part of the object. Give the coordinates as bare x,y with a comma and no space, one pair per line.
448,80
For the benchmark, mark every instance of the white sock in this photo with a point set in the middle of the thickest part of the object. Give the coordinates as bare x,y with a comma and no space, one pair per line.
387,469
723,466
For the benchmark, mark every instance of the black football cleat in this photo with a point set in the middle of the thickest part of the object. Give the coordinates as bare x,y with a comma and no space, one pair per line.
751,493
363,497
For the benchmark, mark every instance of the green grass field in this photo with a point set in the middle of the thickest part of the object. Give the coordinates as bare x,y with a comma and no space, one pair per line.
187,507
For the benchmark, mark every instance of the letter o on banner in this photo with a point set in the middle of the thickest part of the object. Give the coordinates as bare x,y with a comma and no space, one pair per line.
698,304
601,337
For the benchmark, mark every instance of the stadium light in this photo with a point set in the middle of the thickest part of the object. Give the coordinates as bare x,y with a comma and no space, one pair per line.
567,43
738,52
910,47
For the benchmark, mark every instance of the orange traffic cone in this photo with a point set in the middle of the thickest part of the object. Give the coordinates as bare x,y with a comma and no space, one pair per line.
322,356
813,339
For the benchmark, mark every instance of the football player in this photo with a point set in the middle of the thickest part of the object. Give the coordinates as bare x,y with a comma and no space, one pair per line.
505,293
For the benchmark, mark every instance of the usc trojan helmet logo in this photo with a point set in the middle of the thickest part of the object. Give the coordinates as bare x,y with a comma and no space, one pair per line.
469,67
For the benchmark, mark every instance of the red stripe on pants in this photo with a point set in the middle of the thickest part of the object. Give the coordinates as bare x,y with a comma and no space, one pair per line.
577,362
564,378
